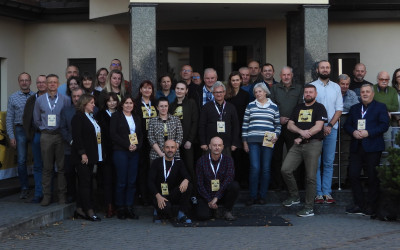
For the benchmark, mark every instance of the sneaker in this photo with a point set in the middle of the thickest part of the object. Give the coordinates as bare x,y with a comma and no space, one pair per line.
291,201
24,194
319,199
229,216
306,212
329,199
354,210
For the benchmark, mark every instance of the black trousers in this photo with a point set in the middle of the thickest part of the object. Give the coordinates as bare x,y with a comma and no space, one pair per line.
107,175
242,165
70,176
85,183
174,198
144,166
204,212
367,161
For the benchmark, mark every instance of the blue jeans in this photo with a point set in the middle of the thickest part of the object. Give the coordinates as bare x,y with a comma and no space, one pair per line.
126,166
37,165
324,182
20,138
260,169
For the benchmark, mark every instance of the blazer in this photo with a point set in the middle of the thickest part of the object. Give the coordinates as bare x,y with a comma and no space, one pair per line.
190,118
377,123
27,118
67,113
119,131
104,122
84,139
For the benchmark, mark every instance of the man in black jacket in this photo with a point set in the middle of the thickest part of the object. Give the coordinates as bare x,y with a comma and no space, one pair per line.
169,185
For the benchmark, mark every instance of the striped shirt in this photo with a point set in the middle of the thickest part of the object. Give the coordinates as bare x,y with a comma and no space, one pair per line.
15,110
258,119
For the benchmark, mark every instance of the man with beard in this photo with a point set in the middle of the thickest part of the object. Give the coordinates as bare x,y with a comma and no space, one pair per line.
169,185
267,77
359,73
307,121
330,95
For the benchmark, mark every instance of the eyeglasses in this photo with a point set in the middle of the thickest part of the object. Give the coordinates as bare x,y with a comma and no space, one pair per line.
195,77
218,92
383,79
115,64
24,80
186,70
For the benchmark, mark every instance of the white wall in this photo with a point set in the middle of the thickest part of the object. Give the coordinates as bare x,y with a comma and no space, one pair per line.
377,43
12,56
49,45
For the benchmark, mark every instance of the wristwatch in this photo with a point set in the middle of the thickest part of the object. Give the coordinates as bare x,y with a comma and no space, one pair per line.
330,125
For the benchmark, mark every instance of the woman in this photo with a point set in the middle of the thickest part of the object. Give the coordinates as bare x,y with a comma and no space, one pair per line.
101,77
166,91
72,83
261,116
396,84
113,84
163,127
145,109
239,98
186,110
107,168
86,151
88,86
127,137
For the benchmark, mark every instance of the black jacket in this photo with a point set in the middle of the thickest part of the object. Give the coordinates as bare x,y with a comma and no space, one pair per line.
119,131
190,118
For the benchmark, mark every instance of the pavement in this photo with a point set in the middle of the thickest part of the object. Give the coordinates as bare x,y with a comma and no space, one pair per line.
30,226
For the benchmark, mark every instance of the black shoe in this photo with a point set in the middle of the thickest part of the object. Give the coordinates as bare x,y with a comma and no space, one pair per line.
261,201
79,216
131,214
93,218
251,202
70,199
36,200
369,212
121,214
355,210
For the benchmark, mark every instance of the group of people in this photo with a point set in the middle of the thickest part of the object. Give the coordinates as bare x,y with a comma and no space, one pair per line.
195,145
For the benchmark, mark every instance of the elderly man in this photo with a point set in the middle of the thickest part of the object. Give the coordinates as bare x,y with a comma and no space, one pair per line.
215,182
388,96
366,123
245,73
330,96
71,70
210,77
359,73
219,118
15,110
194,90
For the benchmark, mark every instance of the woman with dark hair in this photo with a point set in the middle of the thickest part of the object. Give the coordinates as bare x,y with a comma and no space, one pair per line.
145,110
396,85
101,77
86,152
72,83
88,86
165,83
114,83
127,137
239,98
107,167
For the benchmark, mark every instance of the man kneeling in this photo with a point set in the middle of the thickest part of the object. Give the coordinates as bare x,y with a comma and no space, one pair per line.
215,174
169,185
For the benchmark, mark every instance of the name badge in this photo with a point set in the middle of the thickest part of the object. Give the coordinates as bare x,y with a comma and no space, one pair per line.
164,189
147,124
98,135
361,124
133,139
220,126
268,137
51,120
215,185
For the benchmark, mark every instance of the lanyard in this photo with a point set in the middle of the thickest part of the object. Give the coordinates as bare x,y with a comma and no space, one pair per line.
147,108
109,112
165,169
48,101
96,126
212,167
363,113
222,112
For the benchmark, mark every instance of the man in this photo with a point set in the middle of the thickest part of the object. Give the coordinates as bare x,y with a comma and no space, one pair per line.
255,70
186,74
210,77
366,123
219,118
330,96
359,73
196,78
245,73
194,90
15,108
350,98
71,70
46,116
67,113
168,183
307,121
33,135
267,74
388,96
117,65
286,95
215,181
